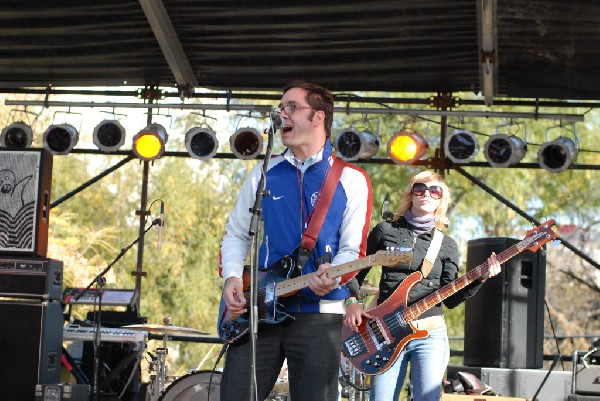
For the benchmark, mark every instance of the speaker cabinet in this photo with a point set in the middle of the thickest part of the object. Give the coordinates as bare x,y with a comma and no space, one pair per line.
30,347
25,181
504,321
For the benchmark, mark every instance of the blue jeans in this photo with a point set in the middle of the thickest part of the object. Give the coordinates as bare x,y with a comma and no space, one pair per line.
428,360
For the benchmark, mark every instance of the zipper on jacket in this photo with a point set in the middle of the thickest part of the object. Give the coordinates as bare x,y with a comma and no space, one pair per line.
302,222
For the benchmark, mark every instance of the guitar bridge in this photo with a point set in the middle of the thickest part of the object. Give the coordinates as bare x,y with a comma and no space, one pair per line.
353,346
377,334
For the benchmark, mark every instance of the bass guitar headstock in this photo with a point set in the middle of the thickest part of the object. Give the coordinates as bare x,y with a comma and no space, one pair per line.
538,236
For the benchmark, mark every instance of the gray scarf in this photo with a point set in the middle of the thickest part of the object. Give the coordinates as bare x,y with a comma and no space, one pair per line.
420,225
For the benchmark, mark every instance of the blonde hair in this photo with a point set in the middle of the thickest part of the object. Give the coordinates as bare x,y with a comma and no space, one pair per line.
441,220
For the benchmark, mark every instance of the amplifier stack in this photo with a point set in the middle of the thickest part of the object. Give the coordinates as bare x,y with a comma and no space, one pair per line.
30,283
31,342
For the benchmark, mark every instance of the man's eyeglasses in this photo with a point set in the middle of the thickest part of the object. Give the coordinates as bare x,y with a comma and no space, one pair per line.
291,108
419,189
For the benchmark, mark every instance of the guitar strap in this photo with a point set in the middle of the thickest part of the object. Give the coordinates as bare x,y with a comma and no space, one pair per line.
309,239
432,252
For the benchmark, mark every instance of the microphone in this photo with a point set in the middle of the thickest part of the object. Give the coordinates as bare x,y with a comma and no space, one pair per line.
276,120
161,224
384,208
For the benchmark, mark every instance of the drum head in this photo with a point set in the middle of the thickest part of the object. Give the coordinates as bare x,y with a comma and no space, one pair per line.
196,386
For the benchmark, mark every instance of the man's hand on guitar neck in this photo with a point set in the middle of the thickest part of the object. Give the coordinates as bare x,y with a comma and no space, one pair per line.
320,283
233,295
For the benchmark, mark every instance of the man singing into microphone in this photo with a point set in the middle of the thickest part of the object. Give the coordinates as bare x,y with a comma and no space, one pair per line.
311,342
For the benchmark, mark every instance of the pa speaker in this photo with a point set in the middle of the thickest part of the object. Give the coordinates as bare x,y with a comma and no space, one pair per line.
504,321
30,347
25,181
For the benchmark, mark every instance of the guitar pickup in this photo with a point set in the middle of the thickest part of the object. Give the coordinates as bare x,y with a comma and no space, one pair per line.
400,318
377,334
269,292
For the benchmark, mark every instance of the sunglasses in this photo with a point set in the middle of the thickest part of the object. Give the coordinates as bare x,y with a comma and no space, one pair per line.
419,189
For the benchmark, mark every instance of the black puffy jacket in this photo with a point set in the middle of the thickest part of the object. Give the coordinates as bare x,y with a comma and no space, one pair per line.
399,234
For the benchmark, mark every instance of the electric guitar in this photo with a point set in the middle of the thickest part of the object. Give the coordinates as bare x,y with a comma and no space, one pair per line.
379,341
275,282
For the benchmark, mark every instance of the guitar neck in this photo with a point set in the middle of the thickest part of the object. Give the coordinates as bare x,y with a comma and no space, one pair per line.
418,308
297,283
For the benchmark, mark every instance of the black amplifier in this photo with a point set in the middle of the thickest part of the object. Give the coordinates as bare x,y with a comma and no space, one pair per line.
38,278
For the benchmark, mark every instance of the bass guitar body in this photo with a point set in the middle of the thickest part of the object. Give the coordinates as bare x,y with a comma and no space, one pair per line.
379,341
376,346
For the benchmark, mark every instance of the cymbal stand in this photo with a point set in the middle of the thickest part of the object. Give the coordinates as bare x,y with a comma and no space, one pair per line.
159,366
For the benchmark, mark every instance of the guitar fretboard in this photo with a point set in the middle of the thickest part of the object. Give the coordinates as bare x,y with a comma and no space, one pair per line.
418,308
380,258
297,283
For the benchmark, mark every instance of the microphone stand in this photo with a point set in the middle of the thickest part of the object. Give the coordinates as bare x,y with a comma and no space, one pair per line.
100,282
256,211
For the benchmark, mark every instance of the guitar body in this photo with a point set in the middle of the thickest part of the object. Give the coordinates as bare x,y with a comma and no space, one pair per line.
379,341
231,327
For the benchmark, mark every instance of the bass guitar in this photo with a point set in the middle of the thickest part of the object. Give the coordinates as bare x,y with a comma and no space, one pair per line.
275,282
374,348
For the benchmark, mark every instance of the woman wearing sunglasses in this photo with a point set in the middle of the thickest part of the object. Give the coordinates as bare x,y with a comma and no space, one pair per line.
421,213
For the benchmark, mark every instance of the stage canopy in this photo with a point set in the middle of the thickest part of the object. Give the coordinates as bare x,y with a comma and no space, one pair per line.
513,48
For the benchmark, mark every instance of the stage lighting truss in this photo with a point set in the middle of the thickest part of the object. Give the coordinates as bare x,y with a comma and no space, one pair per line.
149,144
17,135
504,150
461,146
558,155
109,136
353,144
407,146
246,143
60,139
201,143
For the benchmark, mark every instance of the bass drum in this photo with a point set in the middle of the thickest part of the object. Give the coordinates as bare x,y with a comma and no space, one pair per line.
195,386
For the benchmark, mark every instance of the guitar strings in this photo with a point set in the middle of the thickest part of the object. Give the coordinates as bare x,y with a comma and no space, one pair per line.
391,320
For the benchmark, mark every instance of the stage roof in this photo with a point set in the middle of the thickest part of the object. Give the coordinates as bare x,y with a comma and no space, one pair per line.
532,49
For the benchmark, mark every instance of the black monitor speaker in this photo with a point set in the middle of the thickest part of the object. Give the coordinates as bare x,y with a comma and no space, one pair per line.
30,347
504,321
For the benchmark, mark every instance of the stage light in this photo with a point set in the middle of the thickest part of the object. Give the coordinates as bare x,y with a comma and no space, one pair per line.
503,150
353,145
201,143
406,147
246,143
461,146
149,143
16,135
558,155
60,139
109,136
